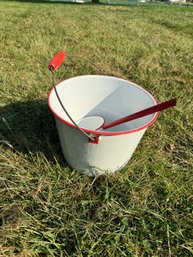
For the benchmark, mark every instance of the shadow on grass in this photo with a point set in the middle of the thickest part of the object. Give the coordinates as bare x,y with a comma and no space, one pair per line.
30,127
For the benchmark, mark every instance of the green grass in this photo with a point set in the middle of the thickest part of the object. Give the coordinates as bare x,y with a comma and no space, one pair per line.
46,208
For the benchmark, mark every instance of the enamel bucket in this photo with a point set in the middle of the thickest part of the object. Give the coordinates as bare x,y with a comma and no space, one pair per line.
108,97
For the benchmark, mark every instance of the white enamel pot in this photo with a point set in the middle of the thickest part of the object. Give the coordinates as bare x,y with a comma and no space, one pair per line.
99,96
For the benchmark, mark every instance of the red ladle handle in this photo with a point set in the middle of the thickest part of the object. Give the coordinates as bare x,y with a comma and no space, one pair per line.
155,108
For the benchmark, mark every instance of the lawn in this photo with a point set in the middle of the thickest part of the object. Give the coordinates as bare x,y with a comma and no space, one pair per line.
48,209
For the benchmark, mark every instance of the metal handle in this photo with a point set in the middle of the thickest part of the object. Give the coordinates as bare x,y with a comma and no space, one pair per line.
53,66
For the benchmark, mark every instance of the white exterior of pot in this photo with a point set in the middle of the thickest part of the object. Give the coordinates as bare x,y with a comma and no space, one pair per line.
105,96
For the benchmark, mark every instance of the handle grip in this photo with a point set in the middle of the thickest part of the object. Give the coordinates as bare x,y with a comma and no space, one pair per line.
57,61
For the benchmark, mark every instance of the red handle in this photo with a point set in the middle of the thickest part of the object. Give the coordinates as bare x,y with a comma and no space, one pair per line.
155,108
57,61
